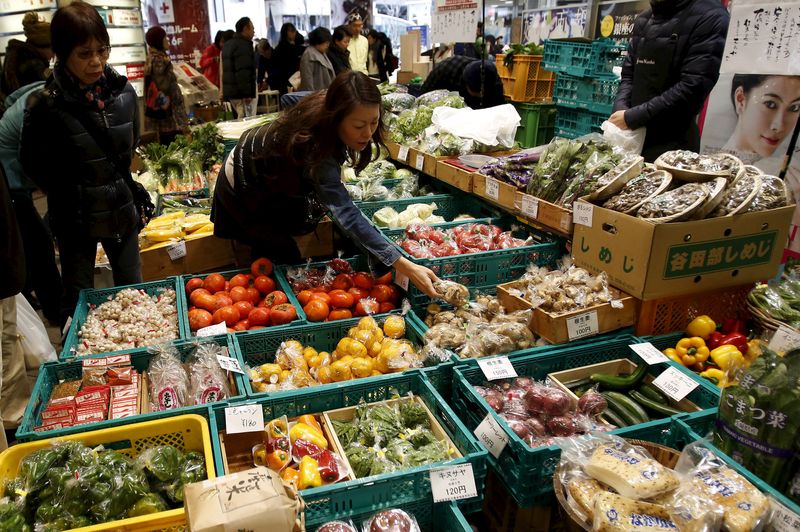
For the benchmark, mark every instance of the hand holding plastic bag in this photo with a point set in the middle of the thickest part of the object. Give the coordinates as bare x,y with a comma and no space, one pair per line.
631,140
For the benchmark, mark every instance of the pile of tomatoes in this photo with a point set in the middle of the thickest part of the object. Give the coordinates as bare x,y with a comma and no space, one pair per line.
337,292
245,302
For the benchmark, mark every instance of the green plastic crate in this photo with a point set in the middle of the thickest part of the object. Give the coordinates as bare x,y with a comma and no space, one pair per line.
362,496
92,297
448,206
280,284
537,125
430,517
596,95
527,472
583,59
52,373
573,123
689,426
258,347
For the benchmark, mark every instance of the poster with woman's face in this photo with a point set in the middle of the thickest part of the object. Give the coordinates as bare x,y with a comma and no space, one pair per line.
753,116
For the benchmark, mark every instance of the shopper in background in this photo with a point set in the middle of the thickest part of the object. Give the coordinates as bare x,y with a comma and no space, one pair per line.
209,62
164,110
338,53
358,47
239,69
316,70
672,64
380,57
42,275
475,80
282,178
264,68
29,61
287,57
498,45
78,138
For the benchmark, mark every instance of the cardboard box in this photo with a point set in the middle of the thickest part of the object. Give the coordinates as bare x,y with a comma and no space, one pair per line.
562,328
405,76
317,244
505,193
410,48
452,173
422,68
551,216
202,255
651,261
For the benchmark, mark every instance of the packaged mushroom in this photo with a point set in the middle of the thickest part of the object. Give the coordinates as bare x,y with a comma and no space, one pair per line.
675,205
649,183
738,196
694,162
773,194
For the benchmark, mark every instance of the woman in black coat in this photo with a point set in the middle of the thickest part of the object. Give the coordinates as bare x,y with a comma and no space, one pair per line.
338,54
78,139
286,58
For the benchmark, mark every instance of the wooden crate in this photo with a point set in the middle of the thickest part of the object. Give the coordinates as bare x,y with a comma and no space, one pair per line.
454,175
551,216
555,327
504,197
203,254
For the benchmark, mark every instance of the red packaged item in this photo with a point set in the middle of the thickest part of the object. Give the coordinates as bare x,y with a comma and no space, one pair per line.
422,232
120,376
52,426
416,249
91,416
328,467
92,396
118,412
448,248
302,448
508,241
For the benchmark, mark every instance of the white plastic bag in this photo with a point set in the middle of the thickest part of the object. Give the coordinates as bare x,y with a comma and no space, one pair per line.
294,80
493,126
36,344
630,140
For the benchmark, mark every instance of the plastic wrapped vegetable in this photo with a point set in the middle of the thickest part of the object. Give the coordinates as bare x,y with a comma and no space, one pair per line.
169,384
386,217
208,381
397,102
149,504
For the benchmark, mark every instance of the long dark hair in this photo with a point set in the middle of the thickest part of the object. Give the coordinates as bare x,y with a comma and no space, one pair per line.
747,82
285,32
309,132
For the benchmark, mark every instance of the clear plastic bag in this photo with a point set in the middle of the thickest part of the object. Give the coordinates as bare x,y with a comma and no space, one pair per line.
394,520
169,384
208,382
630,140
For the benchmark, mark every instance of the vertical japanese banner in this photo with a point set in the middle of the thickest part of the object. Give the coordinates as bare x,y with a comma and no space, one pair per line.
456,20
186,23
755,105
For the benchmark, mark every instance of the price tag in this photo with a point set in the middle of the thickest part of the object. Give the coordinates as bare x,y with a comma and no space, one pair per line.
453,483
230,364
783,519
213,330
530,206
582,213
492,436
401,280
582,325
177,251
649,353
492,188
784,339
66,326
674,383
497,368
419,163
402,155
246,418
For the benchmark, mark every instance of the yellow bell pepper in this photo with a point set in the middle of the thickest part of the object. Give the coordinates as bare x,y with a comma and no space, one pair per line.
301,431
671,354
311,421
692,351
717,376
309,474
727,357
701,326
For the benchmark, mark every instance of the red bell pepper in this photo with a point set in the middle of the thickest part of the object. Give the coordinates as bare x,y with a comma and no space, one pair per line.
714,339
328,468
737,340
303,448
733,326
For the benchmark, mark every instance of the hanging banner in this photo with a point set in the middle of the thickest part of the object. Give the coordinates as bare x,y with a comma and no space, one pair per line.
615,19
456,21
539,26
763,38
189,33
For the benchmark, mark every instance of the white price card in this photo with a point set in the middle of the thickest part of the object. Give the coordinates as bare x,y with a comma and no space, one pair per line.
674,383
453,483
784,339
783,519
177,251
582,213
497,368
492,435
245,418
649,353
402,155
401,280
213,330
492,188
582,325
530,206
419,163
230,364
66,326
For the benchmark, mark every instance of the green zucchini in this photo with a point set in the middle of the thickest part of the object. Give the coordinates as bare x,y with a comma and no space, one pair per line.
653,393
623,413
613,418
577,383
655,406
632,406
619,382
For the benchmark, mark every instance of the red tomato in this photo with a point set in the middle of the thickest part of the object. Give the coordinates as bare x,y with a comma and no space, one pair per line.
395,294
193,284
244,307
339,314
259,316
303,296
238,293
382,293
316,310
342,282
196,294
358,293
319,289
341,299
199,318
239,279
386,307
283,314
227,286
275,298
205,301
261,266
228,314
324,296
253,295
363,280
264,284
221,300
242,325
367,307
231,331
386,278
254,327
214,283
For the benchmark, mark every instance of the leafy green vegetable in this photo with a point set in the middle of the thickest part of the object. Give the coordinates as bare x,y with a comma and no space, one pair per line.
149,504
360,459
413,414
346,431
